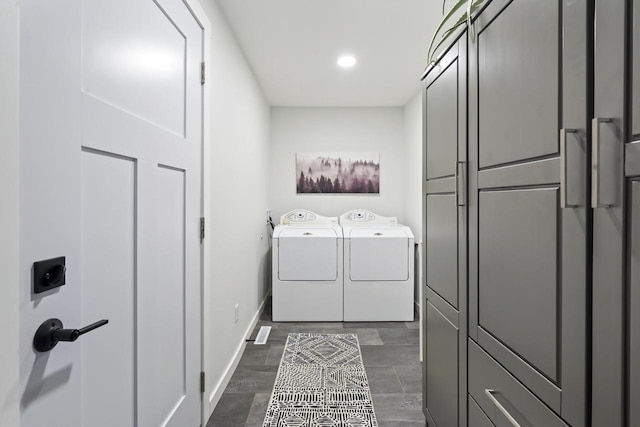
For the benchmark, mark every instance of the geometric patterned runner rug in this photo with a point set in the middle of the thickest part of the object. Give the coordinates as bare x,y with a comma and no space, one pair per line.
321,382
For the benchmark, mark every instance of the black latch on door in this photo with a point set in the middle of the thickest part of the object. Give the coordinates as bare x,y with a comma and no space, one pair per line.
51,332
48,274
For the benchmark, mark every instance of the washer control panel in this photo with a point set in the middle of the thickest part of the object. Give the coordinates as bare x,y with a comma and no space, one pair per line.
361,216
366,218
303,216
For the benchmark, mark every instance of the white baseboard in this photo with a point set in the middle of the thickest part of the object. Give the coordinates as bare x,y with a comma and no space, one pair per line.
221,385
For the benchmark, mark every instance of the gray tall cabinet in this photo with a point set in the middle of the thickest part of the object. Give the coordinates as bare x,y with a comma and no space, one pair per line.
616,214
445,304
528,247
508,229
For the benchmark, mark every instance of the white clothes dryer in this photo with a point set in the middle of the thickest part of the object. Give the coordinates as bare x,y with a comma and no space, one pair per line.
378,268
307,266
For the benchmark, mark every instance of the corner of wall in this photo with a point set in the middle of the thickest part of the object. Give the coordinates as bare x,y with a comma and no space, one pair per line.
413,164
413,150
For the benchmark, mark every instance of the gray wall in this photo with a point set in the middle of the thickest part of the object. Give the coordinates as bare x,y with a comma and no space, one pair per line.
413,153
309,129
239,194
413,165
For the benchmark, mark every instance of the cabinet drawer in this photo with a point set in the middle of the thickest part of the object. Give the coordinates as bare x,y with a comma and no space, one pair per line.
501,395
477,418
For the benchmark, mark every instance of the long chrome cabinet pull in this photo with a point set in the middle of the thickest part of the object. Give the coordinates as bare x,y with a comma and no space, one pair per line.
489,392
563,169
464,193
595,163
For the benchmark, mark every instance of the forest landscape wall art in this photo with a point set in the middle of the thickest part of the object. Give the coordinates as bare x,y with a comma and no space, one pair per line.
323,173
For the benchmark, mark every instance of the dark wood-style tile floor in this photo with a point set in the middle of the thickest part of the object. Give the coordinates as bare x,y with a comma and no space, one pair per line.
390,351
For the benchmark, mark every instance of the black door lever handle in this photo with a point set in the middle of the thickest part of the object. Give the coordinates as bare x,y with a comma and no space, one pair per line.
51,332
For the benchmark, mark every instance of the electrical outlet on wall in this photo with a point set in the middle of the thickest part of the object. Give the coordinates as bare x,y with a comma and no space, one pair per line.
237,312
268,214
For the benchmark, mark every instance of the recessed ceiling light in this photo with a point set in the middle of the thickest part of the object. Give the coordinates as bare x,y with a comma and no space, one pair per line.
346,61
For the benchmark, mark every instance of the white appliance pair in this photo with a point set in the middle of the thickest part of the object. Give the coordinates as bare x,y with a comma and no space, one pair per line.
357,268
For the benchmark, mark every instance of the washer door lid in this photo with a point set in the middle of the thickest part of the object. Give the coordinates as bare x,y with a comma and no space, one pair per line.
308,254
379,254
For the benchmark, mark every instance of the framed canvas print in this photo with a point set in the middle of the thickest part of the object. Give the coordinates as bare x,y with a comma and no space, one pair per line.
323,173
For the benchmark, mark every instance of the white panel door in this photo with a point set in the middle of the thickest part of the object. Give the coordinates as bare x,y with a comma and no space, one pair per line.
111,122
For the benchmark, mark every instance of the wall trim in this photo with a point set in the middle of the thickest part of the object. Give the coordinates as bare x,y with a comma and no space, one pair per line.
222,383
201,17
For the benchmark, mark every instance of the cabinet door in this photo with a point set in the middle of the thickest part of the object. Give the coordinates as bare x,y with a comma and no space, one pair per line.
615,195
445,240
528,212
634,304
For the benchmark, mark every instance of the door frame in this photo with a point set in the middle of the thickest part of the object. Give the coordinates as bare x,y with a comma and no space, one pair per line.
205,248
9,209
202,19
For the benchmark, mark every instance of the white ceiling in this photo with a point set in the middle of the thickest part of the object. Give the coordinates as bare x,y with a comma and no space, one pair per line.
292,47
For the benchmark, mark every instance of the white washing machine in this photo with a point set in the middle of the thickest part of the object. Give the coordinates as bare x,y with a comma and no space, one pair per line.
378,268
307,265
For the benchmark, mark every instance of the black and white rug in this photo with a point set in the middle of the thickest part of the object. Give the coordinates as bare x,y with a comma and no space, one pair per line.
321,382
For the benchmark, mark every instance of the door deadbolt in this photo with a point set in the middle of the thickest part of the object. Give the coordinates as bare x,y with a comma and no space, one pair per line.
48,274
